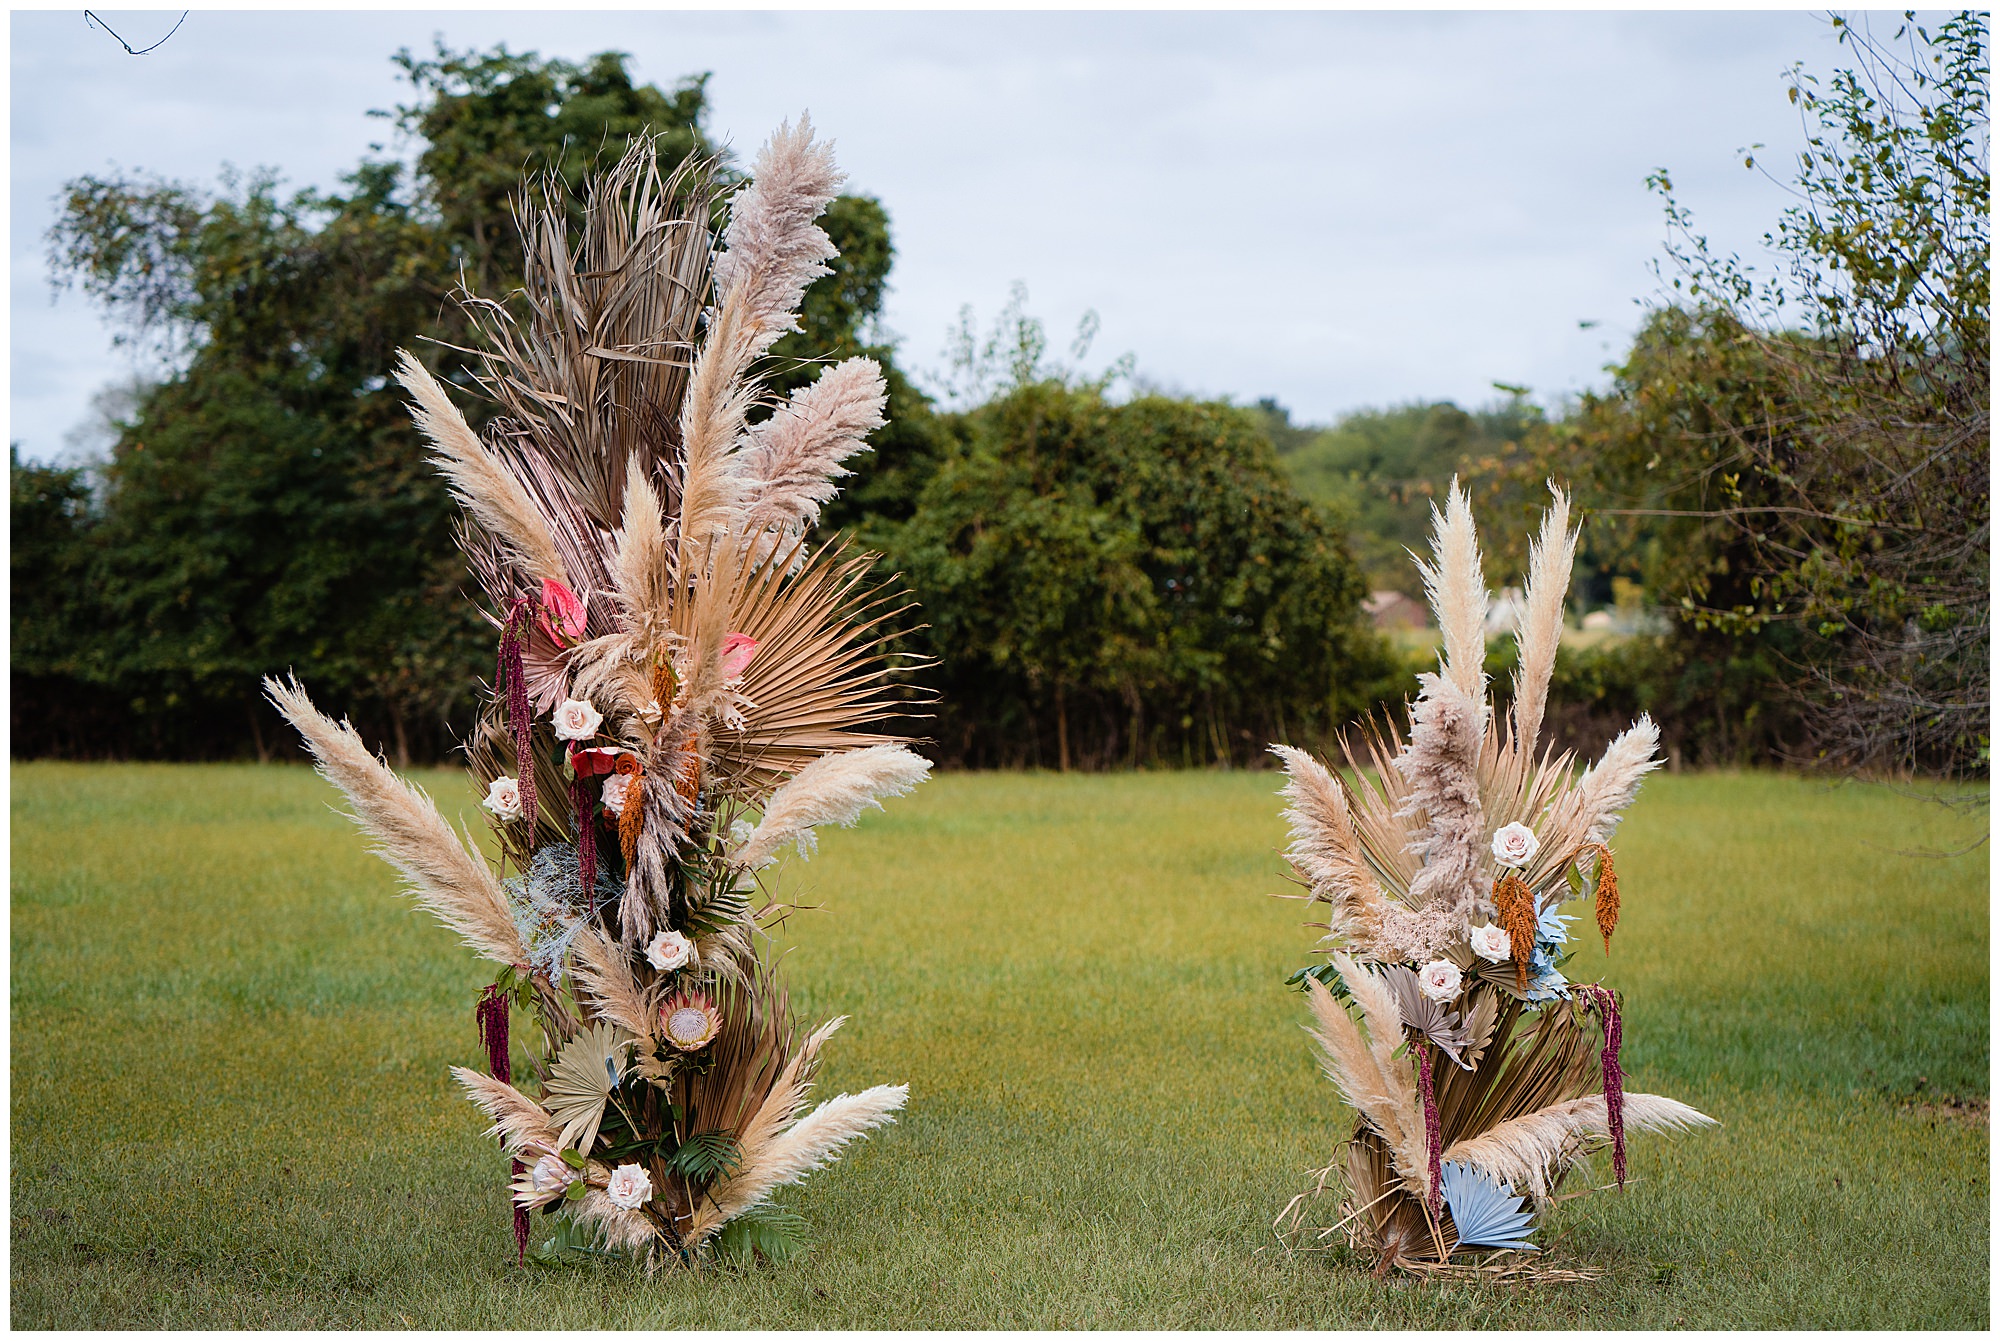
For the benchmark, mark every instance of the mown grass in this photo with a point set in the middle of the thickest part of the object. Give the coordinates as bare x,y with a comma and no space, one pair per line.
230,1106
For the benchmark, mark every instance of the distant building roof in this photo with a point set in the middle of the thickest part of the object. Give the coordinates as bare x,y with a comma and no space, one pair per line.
1394,610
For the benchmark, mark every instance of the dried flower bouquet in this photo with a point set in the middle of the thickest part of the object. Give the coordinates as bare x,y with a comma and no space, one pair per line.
1479,1071
683,689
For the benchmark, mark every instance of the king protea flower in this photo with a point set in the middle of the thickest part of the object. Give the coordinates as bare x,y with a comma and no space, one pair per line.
689,1021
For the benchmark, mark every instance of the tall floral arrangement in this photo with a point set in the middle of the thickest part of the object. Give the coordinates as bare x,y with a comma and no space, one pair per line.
1481,1073
683,687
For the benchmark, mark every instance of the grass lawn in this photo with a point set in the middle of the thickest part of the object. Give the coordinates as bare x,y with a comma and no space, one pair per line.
230,1104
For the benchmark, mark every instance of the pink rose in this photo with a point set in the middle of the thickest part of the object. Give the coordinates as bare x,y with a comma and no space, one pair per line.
503,798
1515,845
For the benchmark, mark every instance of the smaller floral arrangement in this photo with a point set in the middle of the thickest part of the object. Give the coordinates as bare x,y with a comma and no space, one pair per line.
1480,1072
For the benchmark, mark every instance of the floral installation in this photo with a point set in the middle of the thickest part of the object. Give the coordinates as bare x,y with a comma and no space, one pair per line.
1481,1074
684,687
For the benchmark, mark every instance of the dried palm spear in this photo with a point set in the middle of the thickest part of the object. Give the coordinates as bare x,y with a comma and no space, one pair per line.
684,687
1481,1075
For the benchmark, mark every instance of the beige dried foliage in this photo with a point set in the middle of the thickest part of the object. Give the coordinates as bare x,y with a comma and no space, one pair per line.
605,981
442,868
792,459
518,1121
1539,631
489,492
1455,582
1528,1151
1326,850
810,1144
642,566
833,789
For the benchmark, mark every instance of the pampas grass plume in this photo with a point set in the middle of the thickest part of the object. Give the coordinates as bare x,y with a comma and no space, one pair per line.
497,502
444,872
832,789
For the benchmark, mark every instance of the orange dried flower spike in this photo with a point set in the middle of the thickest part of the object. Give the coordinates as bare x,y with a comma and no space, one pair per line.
1514,903
1607,895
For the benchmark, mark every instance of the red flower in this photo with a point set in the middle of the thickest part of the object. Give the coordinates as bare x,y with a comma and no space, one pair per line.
592,763
567,611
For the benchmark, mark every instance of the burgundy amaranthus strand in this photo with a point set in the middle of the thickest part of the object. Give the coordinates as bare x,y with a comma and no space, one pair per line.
491,1016
1614,1077
1433,1129
508,678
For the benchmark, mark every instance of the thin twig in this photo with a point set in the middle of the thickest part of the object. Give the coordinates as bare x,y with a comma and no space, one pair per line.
90,17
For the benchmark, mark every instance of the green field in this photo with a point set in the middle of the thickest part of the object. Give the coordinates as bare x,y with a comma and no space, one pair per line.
231,1109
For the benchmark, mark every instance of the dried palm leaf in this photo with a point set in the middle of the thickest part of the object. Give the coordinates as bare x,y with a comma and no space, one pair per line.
580,1083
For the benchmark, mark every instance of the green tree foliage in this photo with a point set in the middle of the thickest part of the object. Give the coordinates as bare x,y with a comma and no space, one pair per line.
1127,584
268,507
1799,461
1379,470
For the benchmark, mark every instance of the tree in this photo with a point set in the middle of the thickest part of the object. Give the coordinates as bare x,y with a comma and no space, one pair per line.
1857,486
1125,584
269,506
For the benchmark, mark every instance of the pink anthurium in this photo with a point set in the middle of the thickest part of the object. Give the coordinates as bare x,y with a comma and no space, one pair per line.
563,615
737,649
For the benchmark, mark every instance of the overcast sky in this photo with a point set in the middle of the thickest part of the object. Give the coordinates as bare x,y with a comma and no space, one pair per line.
1336,209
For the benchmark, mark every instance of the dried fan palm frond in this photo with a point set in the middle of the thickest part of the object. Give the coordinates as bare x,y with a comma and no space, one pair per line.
442,869
581,1079
819,675
1430,1019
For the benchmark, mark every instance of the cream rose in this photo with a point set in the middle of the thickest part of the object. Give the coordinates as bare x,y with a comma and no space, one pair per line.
503,798
1492,943
1439,981
669,950
575,719
615,788
629,1187
1515,845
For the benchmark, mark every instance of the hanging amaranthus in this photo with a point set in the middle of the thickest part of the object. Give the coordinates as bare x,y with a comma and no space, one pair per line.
490,1017
510,679
1606,1002
1514,905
